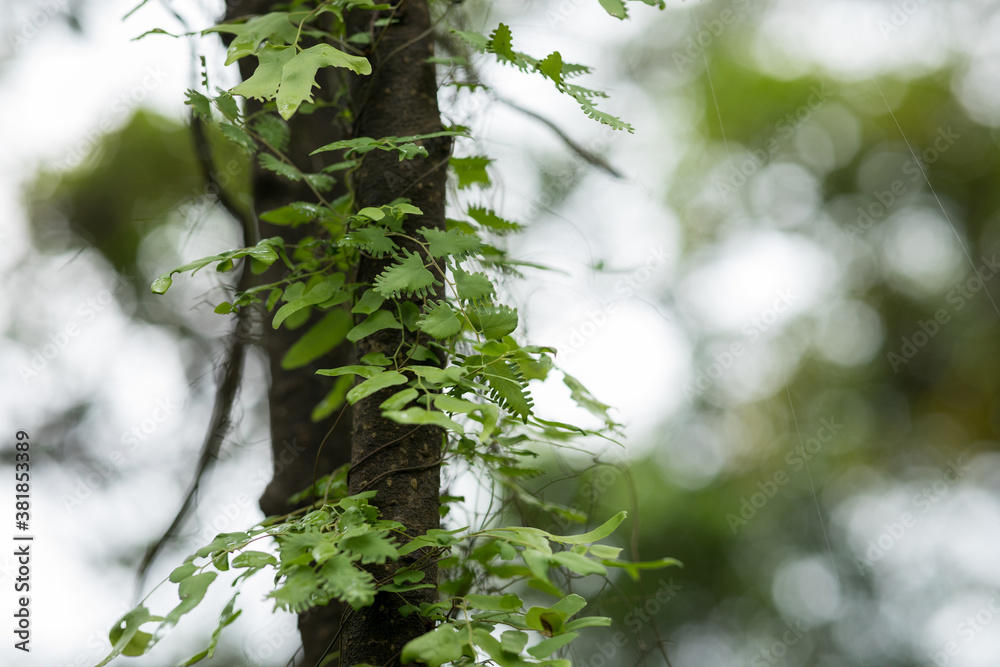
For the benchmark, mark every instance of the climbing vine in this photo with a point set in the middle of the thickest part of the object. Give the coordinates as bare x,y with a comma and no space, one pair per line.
460,365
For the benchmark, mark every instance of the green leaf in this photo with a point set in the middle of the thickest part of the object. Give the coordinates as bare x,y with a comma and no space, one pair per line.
371,239
375,383
506,384
633,569
348,583
582,396
363,371
125,636
226,618
321,337
295,214
598,533
545,648
445,643
161,284
271,163
604,551
273,130
490,220
440,321
201,104
508,602
333,399
615,7
320,292
254,559
239,137
578,563
372,545
377,321
298,75
191,592
493,321
501,44
368,303
513,641
451,242
400,399
183,572
473,286
470,170
408,277
587,622
476,40
263,84
552,65
275,27
417,415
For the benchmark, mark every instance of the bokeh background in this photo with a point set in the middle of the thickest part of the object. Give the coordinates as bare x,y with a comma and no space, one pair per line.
788,297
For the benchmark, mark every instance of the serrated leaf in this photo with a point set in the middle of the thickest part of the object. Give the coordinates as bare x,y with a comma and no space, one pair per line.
201,104
346,582
377,321
471,170
440,321
552,65
493,321
371,239
473,286
284,169
506,384
273,130
321,337
451,242
476,40
489,219
372,546
409,277
501,43
375,383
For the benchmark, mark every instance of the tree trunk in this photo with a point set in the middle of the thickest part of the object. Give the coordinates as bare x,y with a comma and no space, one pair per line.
295,439
401,463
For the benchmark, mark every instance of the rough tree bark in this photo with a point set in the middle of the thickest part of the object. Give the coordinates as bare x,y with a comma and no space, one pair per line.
292,394
401,463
